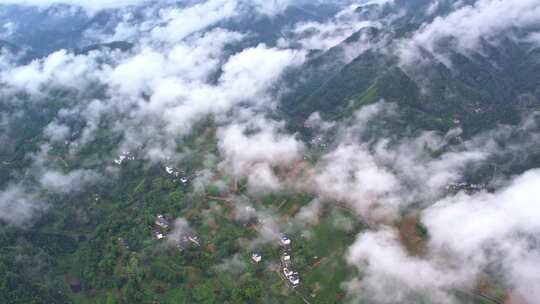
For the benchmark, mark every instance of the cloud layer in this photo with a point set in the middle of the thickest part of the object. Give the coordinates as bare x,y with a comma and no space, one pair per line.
93,5
469,24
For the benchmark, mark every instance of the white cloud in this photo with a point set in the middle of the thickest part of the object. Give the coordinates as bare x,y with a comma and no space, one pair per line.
255,154
494,229
175,67
181,229
468,24
270,7
350,173
309,214
181,22
57,132
69,183
60,69
8,29
469,235
235,265
91,5
313,35
391,275
377,178
18,206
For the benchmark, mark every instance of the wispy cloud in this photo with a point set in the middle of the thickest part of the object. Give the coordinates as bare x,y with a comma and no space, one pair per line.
468,25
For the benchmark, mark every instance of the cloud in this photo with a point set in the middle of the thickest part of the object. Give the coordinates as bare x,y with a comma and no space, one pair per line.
18,206
314,35
181,229
270,7
351,174
378,177
255,149
69,183
92,5
60,69
470,235
264,7
269,230
177,89
177,74
57,132
494,229
8,29
172,21
181,91
181,22
235,265
468,25
309,214
393,276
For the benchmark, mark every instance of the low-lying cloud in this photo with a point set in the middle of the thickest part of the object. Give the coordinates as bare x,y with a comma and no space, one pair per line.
92,6
467,26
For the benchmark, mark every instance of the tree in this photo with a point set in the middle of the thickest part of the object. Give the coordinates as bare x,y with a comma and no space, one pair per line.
203,294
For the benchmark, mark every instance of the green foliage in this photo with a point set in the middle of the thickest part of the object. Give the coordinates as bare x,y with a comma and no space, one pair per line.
16,288
203,294
422,230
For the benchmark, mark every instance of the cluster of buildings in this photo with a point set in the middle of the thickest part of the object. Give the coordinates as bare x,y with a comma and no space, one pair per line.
468,188
256,257
124,156
161,231
187,241
161,227
319,141
287,266
177,174
124,243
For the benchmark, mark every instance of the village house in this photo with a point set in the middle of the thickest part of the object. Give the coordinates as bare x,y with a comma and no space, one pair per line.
194,240
123,157
171,170
177,174
158,234
294,279
285,241
124,243
286,259
162,222
287,266
256,257
188,241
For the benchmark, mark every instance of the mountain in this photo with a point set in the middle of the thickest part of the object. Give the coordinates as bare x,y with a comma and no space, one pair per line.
479,90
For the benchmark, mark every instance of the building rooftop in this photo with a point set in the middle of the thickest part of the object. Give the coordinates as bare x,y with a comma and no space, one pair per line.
159,235
285,241
286,257
162,221
256,257
287,272
195,240
294,280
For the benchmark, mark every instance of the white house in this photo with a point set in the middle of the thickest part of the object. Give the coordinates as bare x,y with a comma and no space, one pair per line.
256,257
